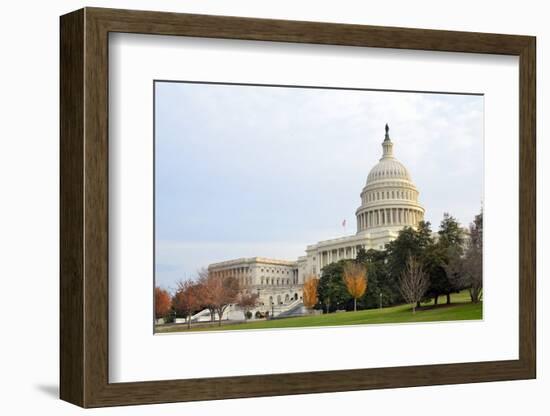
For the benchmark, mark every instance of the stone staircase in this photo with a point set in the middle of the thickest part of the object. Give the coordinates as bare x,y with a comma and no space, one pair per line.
298,309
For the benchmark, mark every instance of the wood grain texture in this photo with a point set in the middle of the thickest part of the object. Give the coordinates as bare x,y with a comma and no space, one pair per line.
71,213
84,207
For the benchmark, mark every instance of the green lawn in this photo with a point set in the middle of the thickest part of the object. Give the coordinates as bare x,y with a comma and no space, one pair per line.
460,309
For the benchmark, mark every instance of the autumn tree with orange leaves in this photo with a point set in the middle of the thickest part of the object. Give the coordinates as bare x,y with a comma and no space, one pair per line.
163,303
188,299
218,292
355,279
310,291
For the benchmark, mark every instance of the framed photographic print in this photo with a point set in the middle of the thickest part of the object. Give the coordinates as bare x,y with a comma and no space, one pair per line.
259,192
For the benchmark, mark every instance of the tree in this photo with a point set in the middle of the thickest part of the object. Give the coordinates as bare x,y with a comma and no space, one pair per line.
246,302
409,242
310,298
355,279
474,259
434,258
466,271
450,232
413,282
187,299
218,292
383,286
204,294
451,240
162,303
332,290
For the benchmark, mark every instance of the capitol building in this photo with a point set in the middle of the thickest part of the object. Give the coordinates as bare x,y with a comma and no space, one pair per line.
389,202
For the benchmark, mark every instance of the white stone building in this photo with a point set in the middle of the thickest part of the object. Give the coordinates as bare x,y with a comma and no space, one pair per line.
389,202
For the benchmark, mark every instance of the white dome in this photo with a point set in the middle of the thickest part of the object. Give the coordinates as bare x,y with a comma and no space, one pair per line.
388,168
389,200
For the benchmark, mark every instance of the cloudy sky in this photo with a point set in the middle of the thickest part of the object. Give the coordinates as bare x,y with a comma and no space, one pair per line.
264,171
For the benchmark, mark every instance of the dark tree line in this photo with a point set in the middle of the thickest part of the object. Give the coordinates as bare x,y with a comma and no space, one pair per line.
451,261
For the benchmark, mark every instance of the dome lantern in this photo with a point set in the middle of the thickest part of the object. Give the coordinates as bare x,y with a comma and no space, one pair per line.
387,145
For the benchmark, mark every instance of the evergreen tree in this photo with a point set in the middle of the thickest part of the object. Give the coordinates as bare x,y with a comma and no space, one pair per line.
332,290
409,242
383,288
450,242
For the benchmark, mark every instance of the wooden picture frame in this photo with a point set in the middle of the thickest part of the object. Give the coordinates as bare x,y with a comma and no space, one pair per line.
84,207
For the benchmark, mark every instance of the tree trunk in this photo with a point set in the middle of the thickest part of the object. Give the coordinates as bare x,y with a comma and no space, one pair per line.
448,298
220,314
354,305
418,304
414,308
189,320
436,298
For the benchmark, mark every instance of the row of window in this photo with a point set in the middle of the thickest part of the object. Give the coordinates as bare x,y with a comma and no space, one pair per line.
274,271
270,281
379,195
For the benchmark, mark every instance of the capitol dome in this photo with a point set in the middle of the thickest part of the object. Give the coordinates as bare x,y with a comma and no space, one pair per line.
389,199
387,168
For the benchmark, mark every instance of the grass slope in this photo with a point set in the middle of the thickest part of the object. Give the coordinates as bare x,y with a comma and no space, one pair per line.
460,309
